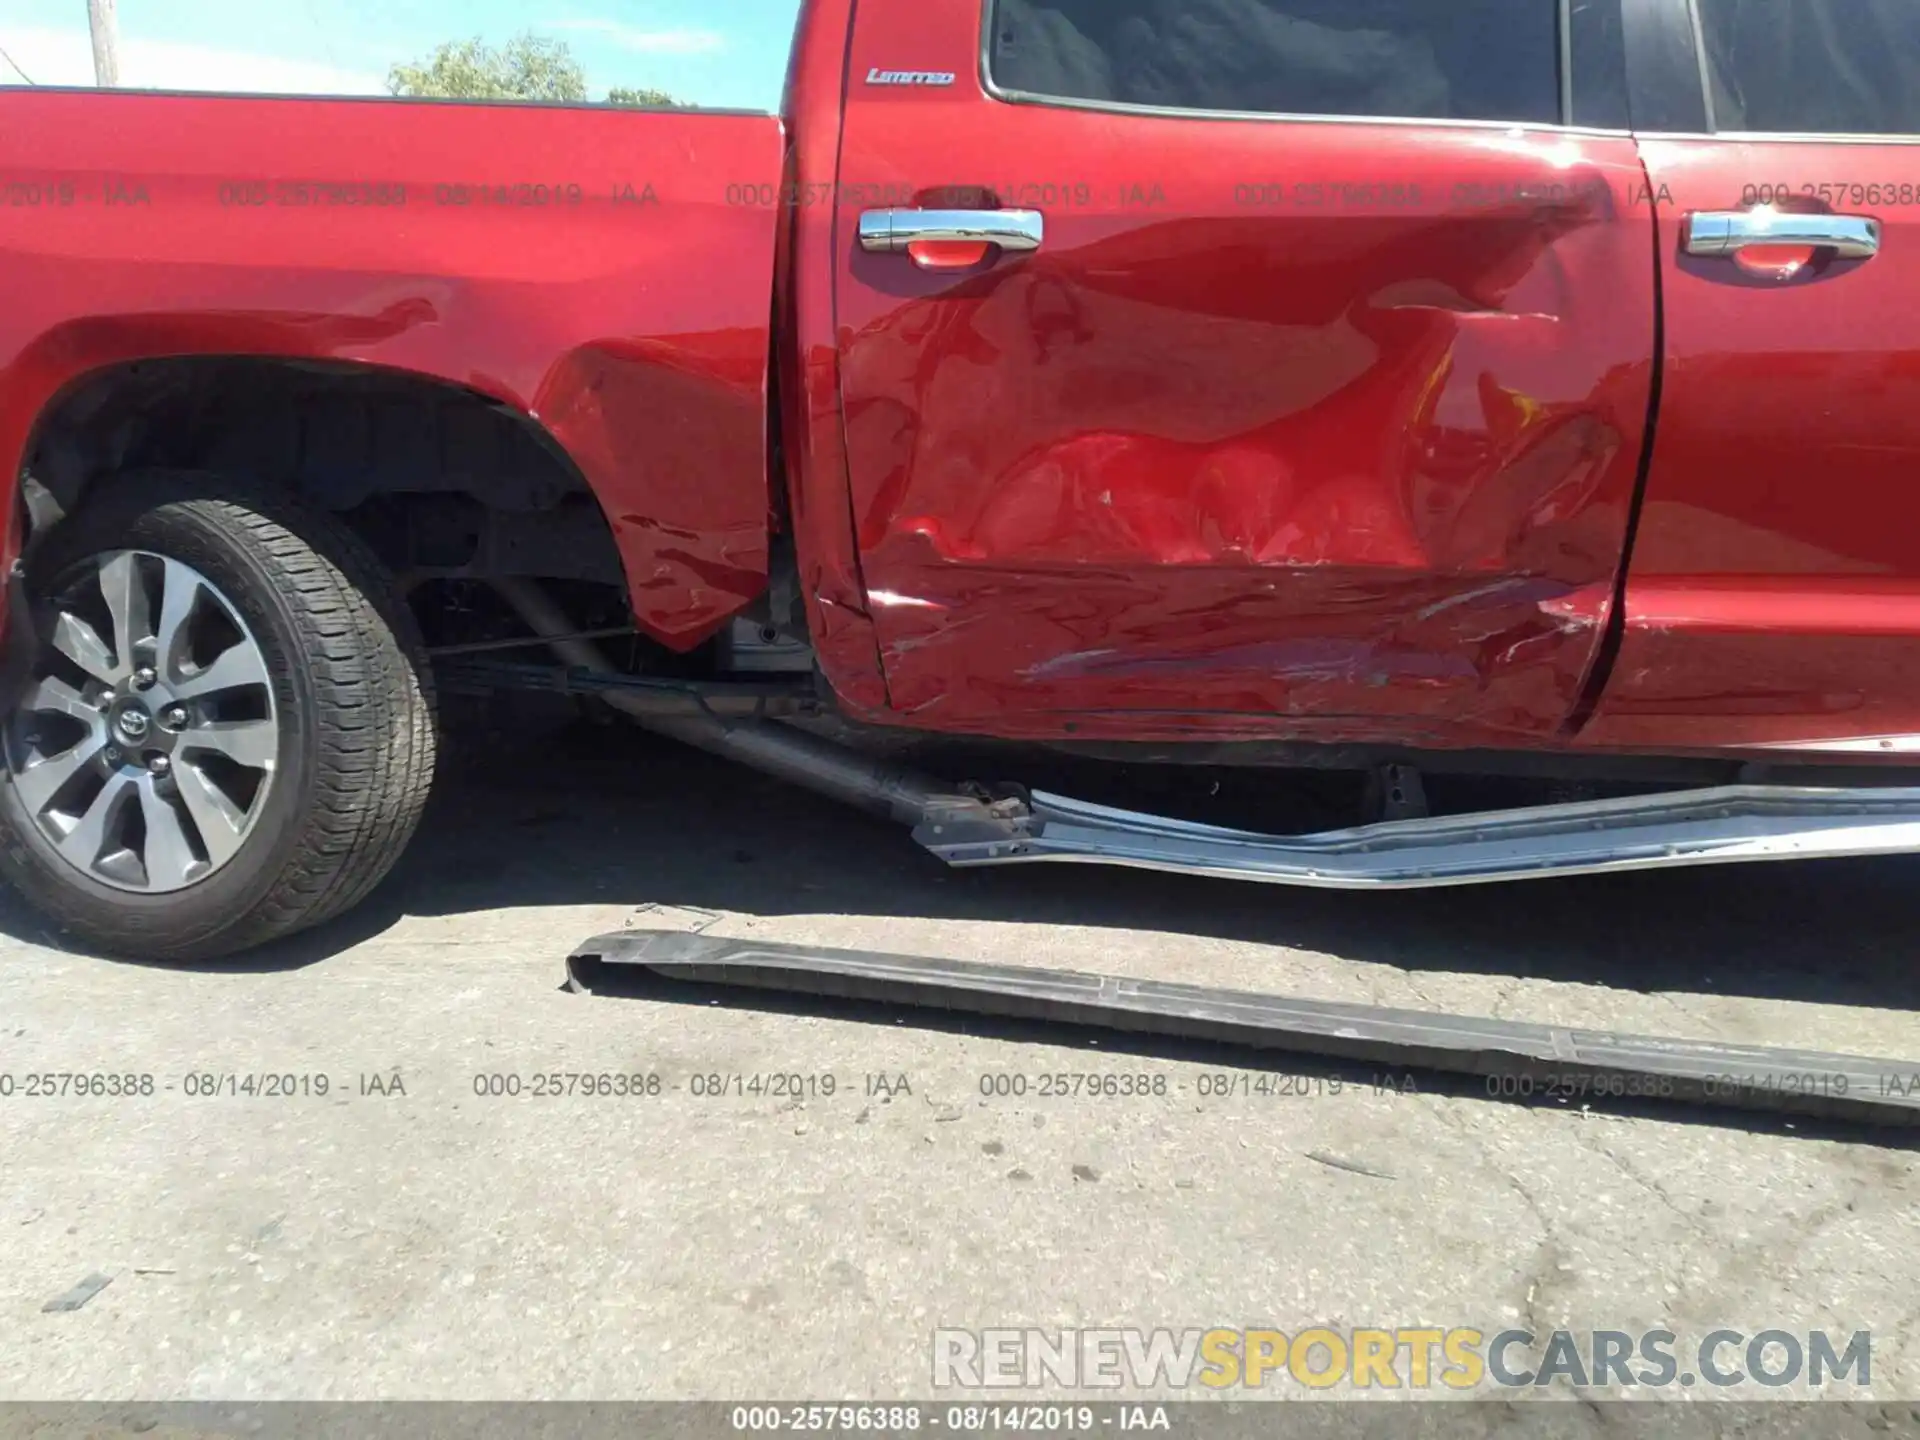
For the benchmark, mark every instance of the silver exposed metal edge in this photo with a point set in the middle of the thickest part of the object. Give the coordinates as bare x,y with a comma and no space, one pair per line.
1728,825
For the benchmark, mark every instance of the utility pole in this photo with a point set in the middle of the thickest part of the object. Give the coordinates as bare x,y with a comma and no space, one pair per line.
106,42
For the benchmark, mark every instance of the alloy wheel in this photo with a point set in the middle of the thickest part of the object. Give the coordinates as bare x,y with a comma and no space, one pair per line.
146,745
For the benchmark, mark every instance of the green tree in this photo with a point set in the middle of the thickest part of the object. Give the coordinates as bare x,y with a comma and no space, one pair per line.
653,99
527,67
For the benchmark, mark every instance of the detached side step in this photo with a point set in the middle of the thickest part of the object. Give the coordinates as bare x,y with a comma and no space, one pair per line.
1596,1063
1720,826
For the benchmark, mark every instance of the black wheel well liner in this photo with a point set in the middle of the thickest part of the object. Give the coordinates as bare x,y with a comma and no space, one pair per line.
346,437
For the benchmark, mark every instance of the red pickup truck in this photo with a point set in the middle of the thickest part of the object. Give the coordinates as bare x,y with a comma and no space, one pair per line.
1382,387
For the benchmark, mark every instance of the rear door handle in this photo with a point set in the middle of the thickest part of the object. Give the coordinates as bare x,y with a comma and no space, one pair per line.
1727,232
893,231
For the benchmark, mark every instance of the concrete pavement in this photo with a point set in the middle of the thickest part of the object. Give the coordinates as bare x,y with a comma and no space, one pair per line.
408,1234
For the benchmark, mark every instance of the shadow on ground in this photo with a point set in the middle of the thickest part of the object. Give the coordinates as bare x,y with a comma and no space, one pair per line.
592,815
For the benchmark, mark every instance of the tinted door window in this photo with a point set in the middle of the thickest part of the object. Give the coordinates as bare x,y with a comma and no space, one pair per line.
1816,67
1597,40
1422,59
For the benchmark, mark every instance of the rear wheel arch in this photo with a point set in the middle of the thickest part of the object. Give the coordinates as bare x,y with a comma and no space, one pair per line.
336,435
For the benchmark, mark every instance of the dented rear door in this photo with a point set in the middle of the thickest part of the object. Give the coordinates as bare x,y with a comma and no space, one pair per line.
1318,408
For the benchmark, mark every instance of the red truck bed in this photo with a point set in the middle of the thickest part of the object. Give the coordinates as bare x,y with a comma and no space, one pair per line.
607,272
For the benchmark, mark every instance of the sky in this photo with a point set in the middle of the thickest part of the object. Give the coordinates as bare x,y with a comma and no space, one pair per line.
708,52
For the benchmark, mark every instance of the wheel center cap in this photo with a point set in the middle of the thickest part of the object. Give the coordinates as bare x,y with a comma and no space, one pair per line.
134,724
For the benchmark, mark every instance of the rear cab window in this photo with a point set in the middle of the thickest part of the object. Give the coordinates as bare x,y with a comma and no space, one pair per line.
1464,60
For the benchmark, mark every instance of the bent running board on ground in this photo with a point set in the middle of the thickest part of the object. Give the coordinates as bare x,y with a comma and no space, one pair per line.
1542,1060
1696,827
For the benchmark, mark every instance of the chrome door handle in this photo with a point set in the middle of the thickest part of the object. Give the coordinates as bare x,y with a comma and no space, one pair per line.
892,231
1726,232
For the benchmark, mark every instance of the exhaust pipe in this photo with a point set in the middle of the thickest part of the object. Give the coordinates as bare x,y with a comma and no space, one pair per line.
780,750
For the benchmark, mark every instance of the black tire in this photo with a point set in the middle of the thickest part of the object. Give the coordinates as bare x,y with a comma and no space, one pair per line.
354,702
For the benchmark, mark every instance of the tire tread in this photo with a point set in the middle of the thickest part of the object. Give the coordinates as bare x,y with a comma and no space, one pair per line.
374,732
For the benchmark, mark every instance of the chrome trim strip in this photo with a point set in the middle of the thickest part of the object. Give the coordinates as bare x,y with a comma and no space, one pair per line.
1167,112
1696,827
1763,137
1564,50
